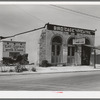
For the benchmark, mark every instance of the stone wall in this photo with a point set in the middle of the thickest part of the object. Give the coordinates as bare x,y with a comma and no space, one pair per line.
42,47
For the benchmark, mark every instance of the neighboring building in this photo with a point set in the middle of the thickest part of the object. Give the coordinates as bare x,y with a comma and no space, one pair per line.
66,45
11,49
96,57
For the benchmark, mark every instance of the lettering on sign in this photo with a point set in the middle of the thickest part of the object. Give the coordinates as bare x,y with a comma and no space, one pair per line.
70,29
79,41
12,47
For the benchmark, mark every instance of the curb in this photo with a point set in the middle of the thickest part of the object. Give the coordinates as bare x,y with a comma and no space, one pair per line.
10,74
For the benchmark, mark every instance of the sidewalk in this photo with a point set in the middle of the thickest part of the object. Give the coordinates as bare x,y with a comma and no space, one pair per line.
57,69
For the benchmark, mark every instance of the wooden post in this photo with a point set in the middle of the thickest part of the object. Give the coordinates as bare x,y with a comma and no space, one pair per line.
94,58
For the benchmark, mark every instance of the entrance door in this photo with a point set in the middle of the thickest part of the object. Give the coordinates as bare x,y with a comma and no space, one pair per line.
86,51
56,56
56,50
71,52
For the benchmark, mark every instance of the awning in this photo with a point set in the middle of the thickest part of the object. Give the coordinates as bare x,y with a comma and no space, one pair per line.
94,47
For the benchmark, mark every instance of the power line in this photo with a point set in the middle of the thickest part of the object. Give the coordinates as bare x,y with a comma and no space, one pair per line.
32,15
1,37
76,11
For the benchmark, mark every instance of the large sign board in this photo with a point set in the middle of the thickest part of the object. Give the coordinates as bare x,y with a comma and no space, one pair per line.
70,29
13,47
79,41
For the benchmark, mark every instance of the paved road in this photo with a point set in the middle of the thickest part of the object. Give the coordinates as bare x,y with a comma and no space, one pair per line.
77,81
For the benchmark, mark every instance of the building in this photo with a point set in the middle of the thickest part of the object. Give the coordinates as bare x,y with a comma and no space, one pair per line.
11,49
66,45
96,57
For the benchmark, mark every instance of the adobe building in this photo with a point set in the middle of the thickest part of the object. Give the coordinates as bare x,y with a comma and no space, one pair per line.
66,45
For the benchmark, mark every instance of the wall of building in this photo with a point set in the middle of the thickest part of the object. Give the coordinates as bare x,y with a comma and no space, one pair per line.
42,47
46,43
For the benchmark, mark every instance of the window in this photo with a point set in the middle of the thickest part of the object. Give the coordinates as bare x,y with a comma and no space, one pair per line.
71,48
71,51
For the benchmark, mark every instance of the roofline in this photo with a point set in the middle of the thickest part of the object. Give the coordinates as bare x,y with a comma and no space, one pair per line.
14,41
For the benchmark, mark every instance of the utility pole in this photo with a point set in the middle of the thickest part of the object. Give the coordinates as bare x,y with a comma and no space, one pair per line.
94,58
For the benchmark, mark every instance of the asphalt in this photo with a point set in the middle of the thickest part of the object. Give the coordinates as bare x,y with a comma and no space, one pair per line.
54,69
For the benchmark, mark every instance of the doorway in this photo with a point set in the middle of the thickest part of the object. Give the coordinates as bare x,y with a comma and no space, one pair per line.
56,50
71,52
86,52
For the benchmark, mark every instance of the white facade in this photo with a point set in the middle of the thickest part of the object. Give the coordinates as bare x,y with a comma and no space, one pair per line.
10,49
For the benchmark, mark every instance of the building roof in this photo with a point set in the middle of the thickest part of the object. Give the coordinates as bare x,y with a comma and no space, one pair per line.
14,41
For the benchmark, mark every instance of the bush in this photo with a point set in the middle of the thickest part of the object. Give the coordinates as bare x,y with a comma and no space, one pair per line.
45,63
64,64
33,69
22,59
18,68
7,61
11,70
24,69
4,71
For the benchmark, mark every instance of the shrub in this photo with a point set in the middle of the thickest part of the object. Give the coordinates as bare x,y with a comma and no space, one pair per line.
33,69
11,70
4,71
45,63
24,69
64,64
18,68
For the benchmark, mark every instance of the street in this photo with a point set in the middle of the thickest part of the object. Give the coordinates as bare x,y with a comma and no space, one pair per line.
76,81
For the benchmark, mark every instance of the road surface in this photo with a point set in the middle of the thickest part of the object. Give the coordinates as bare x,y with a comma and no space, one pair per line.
76,81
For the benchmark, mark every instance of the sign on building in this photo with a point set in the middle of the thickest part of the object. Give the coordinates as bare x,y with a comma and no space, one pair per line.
70,29
79,41
11,49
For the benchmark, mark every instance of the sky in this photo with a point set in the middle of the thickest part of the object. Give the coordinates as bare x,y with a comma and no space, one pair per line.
23,17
